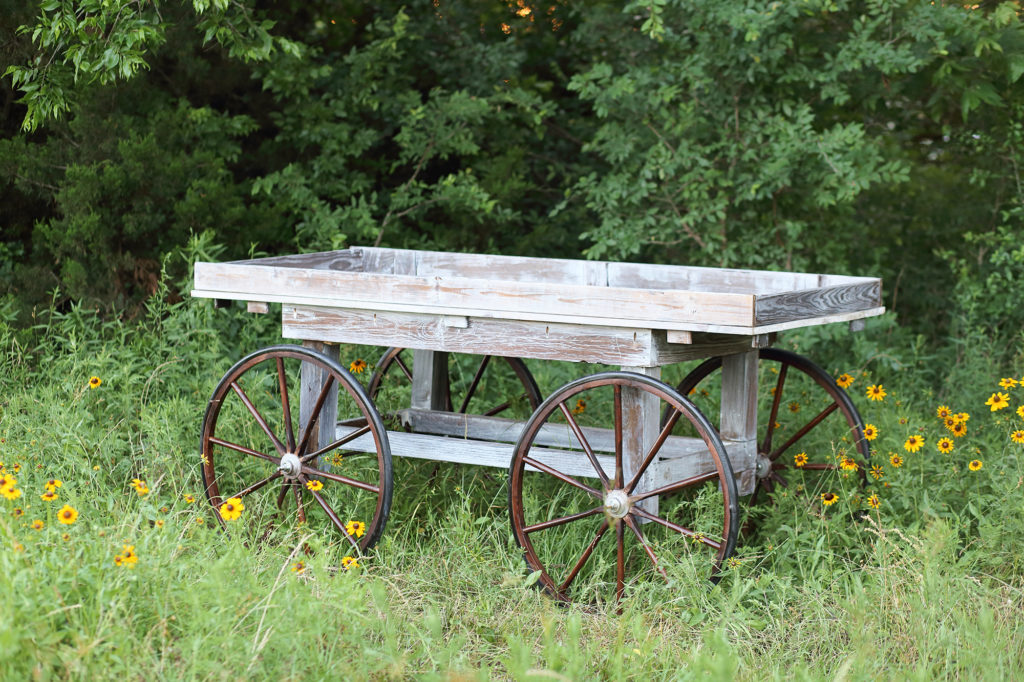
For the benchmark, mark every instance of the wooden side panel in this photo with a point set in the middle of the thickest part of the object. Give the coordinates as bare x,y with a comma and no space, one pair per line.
702,345
669,277
813,303
482,336
476,297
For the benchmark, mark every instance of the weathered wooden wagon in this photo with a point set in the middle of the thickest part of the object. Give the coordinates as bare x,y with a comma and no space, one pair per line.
617,452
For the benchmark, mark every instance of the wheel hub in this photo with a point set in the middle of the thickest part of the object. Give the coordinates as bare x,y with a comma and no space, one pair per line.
616,504
764,466
290,465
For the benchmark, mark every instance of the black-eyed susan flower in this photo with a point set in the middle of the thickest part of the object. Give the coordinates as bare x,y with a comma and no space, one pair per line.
844,380
974,465
314,485
1017,436
10,492
189,499
232,509
38,524
581,406
357,366
18,512
870,431
962,417
873,501
48,496
349,562
949,423
16,468
945,445
200,521
159,523
299,567
1007,382
67,515
53,484
877,472
129,555
998,401
959,429
1020,411
119,560
94,382
828,499
7,481
943,412
876,392
735,562
65,537
800,459
848,464
356,528
140,487
794,407
913,443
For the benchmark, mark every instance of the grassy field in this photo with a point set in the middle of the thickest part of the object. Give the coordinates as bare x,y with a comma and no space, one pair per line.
145,584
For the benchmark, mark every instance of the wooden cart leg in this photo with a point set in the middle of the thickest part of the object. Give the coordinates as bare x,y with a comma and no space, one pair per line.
430,380
640,429
739,416
312,380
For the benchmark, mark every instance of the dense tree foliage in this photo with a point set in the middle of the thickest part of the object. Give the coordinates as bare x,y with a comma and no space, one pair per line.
876,137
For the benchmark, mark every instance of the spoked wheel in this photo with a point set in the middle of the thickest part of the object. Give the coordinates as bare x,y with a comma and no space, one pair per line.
486,385
809,426
255,449
682,509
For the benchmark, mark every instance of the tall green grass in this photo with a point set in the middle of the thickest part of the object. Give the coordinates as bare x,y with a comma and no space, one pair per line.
927,586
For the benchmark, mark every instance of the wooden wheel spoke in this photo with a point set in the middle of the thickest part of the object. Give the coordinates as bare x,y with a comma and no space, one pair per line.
766,444
282,383
647,547
676,527
673,487
336,444
803,431
308,470
241,448
565,478
402,366
301,510
662,437
778,479
578,432
331,515
562,520
283,494
618,443
278,445
814,466
620,559
256,486
476,382
314,417
583,559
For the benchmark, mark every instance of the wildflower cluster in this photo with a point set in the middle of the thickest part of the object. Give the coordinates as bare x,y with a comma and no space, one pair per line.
140,487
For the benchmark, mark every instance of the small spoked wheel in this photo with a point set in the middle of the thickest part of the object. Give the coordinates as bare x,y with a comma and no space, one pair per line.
800,441
593,462
257,449
486,385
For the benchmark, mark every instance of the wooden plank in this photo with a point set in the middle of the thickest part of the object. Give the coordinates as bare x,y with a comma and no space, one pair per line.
819,302
500,429
479,336
312,380
703,345
258,307
474,297
812,321
640,416
349,259
692,278
739,412
489,266
430,380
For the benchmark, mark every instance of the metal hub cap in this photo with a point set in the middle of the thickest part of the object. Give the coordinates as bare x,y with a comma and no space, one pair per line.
764,466
616,504
290,465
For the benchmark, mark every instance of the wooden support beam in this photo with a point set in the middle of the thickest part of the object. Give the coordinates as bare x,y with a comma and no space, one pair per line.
312,380
739,415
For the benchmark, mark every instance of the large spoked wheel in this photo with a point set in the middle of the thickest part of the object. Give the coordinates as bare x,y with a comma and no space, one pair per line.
800,438
682,509
487,385
255,449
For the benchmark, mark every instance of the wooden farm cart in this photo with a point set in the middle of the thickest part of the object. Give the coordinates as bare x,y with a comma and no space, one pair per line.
616,453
